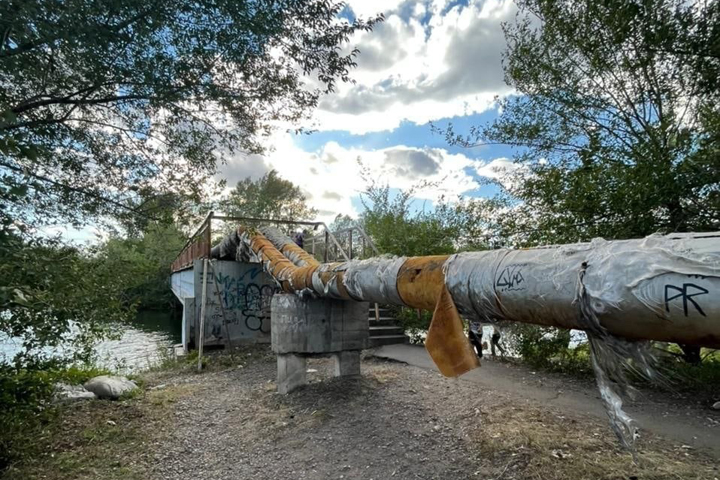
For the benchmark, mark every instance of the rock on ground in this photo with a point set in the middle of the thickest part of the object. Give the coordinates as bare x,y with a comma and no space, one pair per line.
71,393
108,386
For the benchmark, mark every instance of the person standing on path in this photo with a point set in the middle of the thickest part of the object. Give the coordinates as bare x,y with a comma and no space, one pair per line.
475,335
495,342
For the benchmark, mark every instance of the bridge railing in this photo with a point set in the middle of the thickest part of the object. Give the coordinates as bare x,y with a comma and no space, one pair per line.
345,244
199,244
350,242
341,245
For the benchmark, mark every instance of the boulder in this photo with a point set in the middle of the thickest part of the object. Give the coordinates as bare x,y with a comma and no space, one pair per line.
716,406
108,386
65,393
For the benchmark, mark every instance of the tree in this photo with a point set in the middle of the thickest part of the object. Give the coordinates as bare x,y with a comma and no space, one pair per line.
615,119
99,100
61,297
615,123
120,111
396,229
268,197
141,265
342,222
444,228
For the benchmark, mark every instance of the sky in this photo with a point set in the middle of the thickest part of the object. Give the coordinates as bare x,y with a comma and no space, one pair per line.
433,61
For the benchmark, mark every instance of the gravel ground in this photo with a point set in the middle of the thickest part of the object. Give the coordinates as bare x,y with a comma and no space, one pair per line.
396,421
381,425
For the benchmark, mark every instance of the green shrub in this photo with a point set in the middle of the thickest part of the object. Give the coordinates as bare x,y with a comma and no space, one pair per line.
681,375
414,322
26,405
547,348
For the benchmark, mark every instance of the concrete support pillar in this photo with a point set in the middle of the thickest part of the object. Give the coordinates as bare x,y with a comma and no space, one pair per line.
347,363
291,372
315,325
304,327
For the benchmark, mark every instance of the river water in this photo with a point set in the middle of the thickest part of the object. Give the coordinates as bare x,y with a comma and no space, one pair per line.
149,338
144,342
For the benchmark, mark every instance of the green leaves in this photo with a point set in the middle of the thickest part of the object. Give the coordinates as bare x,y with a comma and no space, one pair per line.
268,197
140,265
99,100
608,122
118,112
52,295
397,227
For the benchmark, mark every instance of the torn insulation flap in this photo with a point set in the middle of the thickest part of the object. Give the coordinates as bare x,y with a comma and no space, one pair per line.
446,341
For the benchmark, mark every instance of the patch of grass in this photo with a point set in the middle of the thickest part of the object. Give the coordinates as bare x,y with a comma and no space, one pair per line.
383,374
168,395
214,360
527,442
78,374
26,407
91,440
102,440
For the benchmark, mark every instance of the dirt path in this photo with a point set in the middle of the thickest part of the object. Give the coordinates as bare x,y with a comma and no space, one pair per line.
396,421
678,417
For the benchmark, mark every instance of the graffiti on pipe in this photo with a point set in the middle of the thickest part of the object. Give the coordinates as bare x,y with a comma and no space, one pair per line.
686,292
511,278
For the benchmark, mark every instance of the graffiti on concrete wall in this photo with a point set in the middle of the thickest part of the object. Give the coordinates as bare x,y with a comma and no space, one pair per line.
238,302
243,298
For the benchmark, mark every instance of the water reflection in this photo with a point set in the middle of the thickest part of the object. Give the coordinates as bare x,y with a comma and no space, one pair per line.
144,342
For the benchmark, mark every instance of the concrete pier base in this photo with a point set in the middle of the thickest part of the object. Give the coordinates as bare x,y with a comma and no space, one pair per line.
291,372
347,363
315,325
302,327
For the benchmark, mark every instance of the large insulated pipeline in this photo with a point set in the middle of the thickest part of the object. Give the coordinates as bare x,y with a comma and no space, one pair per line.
662,288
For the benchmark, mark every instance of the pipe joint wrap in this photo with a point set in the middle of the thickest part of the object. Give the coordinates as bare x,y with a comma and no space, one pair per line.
374,280
470,278
327,280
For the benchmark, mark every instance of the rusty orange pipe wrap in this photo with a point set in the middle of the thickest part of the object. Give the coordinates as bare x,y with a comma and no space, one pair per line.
420,281
420,284
292,249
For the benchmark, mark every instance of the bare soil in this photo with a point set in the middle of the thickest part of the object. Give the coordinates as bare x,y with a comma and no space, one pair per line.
396,421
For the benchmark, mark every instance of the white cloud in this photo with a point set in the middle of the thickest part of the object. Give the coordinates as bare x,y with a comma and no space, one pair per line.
501,170
370,8
332,176
429,60
497,168
241,166
407,70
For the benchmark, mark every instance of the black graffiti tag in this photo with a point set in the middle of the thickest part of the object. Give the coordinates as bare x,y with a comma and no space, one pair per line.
511,277
686,292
